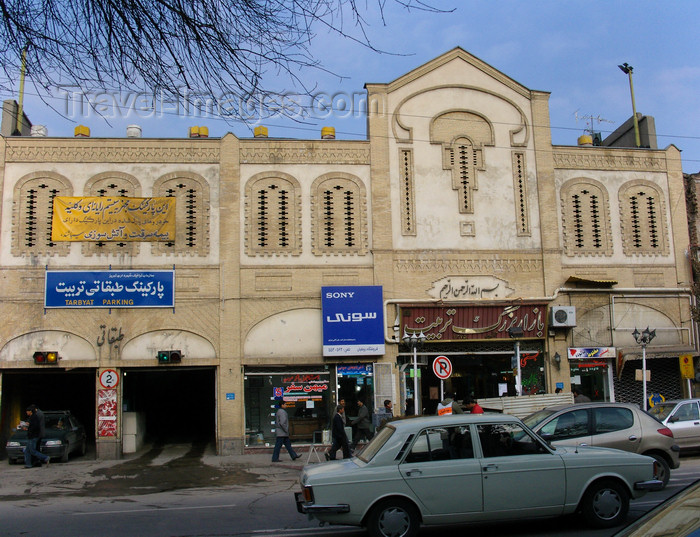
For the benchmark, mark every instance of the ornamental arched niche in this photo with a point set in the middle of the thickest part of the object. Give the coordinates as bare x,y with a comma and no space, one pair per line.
32,219
339,215
501,109
70,347
586,225
146,346
286,335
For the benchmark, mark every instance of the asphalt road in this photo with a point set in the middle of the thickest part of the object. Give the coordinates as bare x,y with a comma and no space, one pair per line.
189,492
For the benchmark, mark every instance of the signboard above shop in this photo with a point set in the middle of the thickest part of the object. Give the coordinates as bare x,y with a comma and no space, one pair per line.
473,322
353,321
110,289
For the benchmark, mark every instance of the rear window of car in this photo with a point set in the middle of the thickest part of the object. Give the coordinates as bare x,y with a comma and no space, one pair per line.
608,420
533,420
371,449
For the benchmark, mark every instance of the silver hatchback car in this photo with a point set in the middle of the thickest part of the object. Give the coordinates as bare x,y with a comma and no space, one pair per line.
683,418
615,425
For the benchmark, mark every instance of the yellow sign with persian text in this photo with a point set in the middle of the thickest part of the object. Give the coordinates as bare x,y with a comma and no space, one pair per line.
106,219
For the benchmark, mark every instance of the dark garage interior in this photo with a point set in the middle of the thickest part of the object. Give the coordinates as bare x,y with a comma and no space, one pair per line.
179,404
58,389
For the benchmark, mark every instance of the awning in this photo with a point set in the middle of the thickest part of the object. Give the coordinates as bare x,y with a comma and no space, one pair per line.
591,281
625,354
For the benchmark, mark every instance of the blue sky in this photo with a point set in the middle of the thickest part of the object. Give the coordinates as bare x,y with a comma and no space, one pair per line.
570,49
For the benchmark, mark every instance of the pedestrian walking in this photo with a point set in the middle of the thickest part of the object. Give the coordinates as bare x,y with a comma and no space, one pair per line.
282,433
35,431
340,439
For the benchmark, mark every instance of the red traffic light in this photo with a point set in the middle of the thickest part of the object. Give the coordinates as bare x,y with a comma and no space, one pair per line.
46,357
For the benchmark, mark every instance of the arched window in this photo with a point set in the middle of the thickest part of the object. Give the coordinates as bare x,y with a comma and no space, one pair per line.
273,215
464,161
191,214
112,184
338,215
586,218
33,214
643,219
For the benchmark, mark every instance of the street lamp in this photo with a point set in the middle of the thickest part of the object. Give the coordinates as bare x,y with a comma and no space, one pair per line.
516,332
414,341
628,69
644,339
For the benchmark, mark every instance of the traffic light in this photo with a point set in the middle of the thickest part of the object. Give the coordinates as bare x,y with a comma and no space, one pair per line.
46,357
169,357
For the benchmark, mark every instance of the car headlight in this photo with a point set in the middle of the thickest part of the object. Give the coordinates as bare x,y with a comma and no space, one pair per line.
53,443
13,444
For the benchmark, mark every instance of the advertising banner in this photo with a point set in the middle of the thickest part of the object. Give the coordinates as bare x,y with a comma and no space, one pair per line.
110,289
353,321
105,219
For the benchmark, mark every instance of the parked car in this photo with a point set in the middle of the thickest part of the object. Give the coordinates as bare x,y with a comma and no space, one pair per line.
470,468
615,425
683,418
64,434
677,516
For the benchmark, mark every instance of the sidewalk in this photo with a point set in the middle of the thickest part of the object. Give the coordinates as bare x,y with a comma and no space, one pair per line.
153,469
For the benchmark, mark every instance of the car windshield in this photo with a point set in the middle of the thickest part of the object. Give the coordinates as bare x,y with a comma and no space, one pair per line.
58,422
376,443
661,411
533,420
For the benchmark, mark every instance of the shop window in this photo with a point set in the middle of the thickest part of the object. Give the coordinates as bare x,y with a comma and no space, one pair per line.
33,214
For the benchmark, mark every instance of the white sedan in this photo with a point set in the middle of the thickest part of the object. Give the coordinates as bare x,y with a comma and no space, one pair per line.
467,468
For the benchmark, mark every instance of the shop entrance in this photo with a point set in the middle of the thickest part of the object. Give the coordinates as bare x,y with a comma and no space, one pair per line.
592,377
355,383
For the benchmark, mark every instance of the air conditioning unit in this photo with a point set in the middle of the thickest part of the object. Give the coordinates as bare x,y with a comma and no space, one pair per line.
562,316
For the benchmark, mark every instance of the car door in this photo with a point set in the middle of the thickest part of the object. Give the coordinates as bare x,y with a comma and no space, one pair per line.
441,470
570,428
685,424
519,474
616,427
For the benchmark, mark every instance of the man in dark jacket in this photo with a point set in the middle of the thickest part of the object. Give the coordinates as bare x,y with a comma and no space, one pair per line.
35,430
340,439
361,424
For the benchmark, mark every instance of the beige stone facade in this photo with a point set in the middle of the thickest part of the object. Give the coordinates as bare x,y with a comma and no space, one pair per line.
457,190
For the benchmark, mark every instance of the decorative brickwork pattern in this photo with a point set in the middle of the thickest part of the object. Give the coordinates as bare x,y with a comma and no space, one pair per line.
273,215
464,265
643,219
607,159
112,184
33,213
320,152
464,161
586,218
338,215
408,207
51,150
191,214
522,215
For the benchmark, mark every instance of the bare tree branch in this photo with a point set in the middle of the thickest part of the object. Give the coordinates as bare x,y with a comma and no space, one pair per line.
182,48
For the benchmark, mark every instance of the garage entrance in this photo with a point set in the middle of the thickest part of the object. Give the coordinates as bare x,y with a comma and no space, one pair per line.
58,389
178,404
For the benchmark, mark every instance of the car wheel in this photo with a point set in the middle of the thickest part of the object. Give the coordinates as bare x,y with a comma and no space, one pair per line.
664,473
393,518
66,453
83,448
605,504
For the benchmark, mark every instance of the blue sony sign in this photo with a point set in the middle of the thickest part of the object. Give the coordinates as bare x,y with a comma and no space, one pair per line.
353,321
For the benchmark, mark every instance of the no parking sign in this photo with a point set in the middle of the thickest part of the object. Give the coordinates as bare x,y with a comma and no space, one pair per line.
442,367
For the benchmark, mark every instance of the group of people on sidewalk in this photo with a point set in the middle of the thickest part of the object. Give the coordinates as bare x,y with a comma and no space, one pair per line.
361,424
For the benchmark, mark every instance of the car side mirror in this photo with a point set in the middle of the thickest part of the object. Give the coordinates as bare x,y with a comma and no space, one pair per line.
673,419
